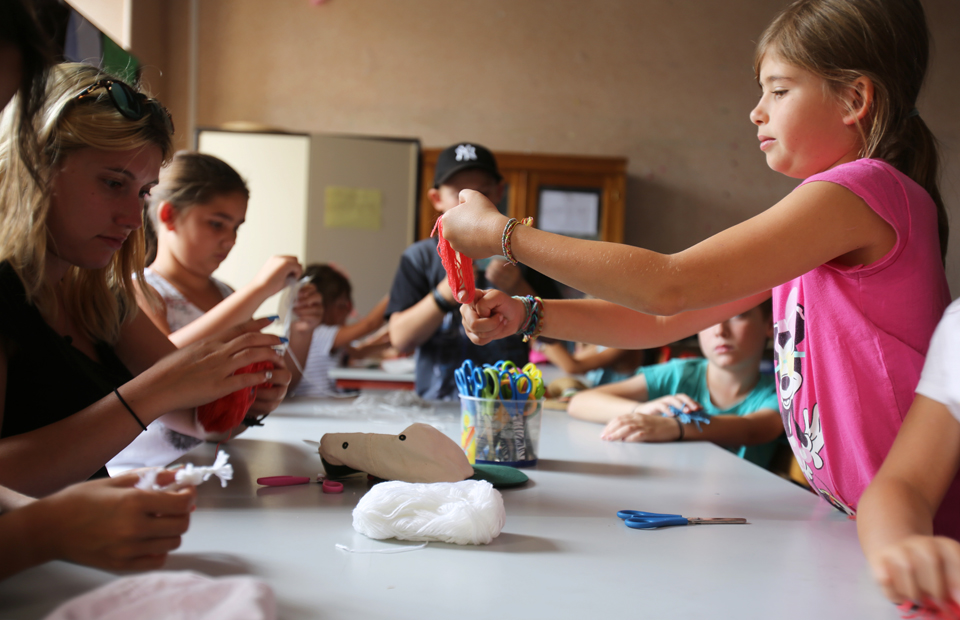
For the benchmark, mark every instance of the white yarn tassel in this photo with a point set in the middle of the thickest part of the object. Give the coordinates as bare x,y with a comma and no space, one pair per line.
189,475
468,512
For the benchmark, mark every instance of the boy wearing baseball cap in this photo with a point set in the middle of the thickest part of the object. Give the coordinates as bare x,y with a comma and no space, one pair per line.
422,312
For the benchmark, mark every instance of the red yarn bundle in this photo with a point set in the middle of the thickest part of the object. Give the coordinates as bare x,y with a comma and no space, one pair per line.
459,268
228,411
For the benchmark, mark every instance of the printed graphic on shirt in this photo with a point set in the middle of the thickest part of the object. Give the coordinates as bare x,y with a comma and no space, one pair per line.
787,334
836,503
807,441
802,428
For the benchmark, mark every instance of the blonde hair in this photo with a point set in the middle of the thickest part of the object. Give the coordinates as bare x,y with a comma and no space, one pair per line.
190,179
886,41
98,300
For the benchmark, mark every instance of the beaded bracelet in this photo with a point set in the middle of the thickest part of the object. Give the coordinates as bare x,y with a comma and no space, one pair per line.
508,234
532,325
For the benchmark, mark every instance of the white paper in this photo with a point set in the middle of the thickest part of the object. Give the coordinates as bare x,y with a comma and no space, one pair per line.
569,212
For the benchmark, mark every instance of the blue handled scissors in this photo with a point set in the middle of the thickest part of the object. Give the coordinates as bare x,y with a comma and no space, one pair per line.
469,379
686,417
639,520
514,385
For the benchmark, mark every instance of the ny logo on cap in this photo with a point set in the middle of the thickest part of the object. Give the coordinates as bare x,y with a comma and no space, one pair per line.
466,152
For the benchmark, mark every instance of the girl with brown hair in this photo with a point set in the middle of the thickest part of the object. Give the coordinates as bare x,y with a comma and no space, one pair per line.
853,256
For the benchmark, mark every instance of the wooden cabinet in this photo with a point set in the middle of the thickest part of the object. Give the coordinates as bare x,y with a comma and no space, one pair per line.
528,176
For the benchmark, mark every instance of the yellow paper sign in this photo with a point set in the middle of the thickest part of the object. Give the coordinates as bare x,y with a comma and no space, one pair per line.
352,207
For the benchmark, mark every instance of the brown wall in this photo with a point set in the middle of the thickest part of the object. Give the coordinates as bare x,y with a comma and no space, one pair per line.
666,83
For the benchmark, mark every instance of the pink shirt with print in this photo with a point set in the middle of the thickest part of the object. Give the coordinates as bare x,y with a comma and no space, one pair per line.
850,343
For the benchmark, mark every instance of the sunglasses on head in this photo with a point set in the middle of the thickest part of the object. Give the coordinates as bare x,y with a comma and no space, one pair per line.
128,102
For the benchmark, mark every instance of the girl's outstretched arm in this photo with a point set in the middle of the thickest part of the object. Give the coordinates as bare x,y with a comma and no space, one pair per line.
895,514
495,315
814,224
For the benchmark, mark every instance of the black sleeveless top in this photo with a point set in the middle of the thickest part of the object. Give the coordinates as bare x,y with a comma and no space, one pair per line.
48,379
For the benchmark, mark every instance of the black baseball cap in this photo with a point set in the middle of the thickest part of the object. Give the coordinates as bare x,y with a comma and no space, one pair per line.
464,156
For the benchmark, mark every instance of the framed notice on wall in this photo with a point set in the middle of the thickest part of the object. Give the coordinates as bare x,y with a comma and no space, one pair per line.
570,211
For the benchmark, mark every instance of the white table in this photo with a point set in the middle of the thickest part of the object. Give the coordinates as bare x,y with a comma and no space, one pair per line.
562,554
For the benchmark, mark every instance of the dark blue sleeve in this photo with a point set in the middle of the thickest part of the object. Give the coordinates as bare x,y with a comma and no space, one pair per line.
413,279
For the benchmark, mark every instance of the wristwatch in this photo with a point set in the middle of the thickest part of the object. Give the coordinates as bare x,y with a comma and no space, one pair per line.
444,305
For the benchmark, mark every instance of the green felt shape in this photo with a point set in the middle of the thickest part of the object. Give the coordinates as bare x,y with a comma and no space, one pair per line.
500,476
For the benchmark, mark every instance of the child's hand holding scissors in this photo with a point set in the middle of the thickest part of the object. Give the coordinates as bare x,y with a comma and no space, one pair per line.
492,315
647,424
661,406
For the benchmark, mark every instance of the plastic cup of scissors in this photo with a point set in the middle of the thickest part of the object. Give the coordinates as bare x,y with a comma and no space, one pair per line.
499,414
640,520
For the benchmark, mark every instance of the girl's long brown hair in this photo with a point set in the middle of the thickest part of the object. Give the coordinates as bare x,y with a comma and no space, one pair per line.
886,41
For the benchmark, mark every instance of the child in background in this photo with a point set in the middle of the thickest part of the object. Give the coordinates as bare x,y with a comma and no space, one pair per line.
726,385
83,370
195,213
854,255
896,516
323,347
423,314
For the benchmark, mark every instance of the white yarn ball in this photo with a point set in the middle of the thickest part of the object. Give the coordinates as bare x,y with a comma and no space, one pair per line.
466,513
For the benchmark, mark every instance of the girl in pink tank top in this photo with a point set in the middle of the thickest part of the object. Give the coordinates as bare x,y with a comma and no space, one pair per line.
853,256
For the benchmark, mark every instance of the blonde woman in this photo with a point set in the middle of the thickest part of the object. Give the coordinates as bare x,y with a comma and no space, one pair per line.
82,372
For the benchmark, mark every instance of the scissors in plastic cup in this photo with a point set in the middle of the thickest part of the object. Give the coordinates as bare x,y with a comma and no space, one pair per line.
531,370
505,366
490,387
514,385
639,520
469,379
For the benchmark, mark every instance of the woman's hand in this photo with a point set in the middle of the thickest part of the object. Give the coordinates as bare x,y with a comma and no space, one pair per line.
474,227
109,524
203,372
919,568
308,309
492,315
272,277
641,427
